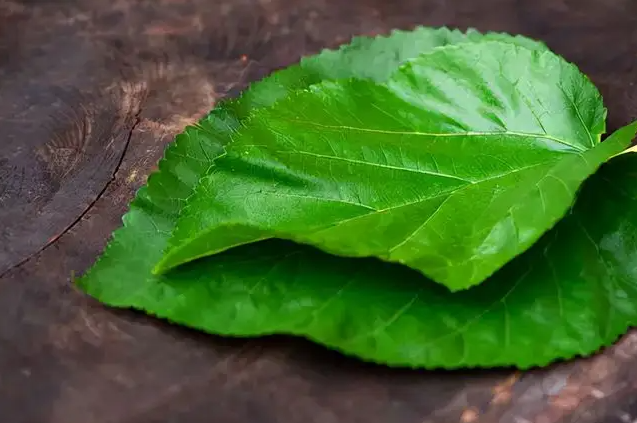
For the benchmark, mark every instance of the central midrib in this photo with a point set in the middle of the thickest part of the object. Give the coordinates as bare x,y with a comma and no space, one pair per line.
444,134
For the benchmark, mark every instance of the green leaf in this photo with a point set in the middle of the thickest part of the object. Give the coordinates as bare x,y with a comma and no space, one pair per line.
125,267
453,167
348,304
573,292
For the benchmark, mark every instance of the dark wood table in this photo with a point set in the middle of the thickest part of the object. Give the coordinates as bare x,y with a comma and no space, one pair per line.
91,92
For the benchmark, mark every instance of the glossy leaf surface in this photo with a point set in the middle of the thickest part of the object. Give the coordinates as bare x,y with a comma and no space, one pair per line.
453,167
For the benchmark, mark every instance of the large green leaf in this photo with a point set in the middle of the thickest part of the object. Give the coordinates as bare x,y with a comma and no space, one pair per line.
570,294
454,166
280,287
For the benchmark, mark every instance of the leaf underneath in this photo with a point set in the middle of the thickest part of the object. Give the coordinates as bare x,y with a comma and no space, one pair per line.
570,294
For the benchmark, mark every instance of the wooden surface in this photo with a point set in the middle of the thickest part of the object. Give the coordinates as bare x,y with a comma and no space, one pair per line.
90,93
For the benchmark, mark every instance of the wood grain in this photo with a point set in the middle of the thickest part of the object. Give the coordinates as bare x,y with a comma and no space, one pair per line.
90,94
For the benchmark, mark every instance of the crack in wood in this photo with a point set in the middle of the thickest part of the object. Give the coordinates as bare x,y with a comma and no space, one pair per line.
136,120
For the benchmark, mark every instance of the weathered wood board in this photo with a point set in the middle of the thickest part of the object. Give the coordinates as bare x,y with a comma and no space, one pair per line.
92,91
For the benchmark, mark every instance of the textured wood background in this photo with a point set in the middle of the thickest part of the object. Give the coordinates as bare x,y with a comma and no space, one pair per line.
91,92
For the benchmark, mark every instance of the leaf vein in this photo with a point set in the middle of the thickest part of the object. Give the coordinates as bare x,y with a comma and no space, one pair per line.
446,134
